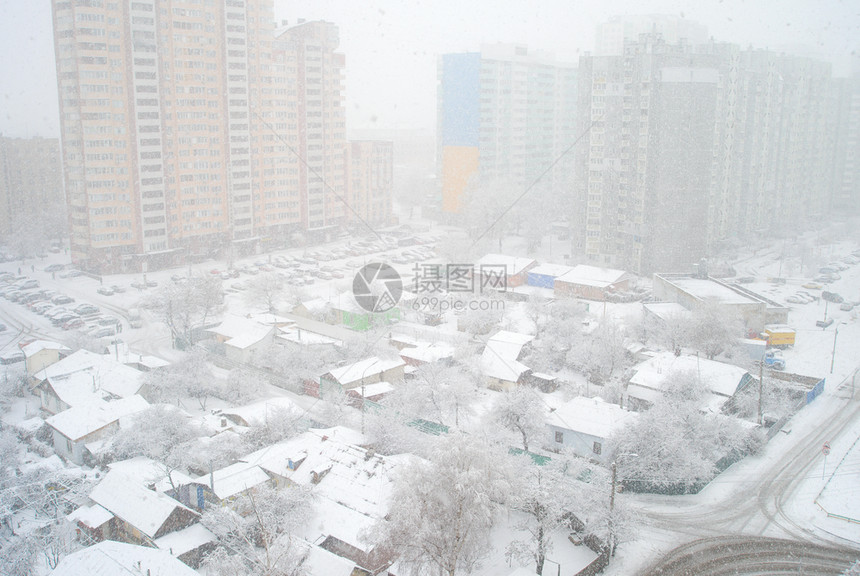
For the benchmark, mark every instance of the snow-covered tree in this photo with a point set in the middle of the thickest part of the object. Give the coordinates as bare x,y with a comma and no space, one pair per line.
160,432
602,354
189,377
444,508
257,533
242,386
713,329
187,307
269,291
523,412
547,496
677,445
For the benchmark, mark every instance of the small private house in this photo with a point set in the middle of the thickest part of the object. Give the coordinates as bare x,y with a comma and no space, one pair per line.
83,377
40,354
259,413
500,360
367,371
345,311
352,486
591,282
583,426
722,380
111,557
244,339
89,422
230,482
141,515
500,271
427,353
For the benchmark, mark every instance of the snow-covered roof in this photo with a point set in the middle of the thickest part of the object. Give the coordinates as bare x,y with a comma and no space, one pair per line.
84,376
148,472
321,562
269,319
721,379
315,305
370,390
258,413
707,289
294,333
110,558
83,419
513,264
553,270
253,335
590,416
181,541
500,356
427,352
372,366
666,310
592,276
90,516
241,332
235,479
124,496
38,345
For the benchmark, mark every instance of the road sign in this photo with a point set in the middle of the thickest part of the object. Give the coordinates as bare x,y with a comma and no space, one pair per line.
826,448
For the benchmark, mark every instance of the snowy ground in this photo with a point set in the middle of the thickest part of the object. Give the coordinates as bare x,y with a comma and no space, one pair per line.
833,483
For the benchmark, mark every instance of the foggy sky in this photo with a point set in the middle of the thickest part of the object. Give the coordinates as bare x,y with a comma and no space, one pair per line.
391,45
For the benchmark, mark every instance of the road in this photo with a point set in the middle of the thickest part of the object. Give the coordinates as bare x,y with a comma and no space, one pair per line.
749,528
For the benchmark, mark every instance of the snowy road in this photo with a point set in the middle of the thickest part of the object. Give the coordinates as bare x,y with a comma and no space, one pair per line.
733,555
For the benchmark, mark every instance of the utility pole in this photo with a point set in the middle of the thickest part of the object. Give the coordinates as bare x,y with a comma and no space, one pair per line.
833,354
760,386
611,509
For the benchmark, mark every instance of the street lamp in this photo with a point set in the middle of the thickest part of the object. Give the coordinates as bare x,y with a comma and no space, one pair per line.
833,354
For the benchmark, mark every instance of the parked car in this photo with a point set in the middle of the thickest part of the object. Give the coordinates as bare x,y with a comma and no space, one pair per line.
813,286
3,328
62,299
73,323
86,309
117,289
54,267
29,284
63,318
12,357
105,291
847,306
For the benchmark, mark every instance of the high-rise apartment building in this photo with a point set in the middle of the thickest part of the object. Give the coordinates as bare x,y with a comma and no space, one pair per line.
314,72
611,35
504,116
370,169
692,146
31,189
196,128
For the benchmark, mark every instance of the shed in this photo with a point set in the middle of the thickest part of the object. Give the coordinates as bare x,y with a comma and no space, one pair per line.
591,282
544,275
40,354
501,271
